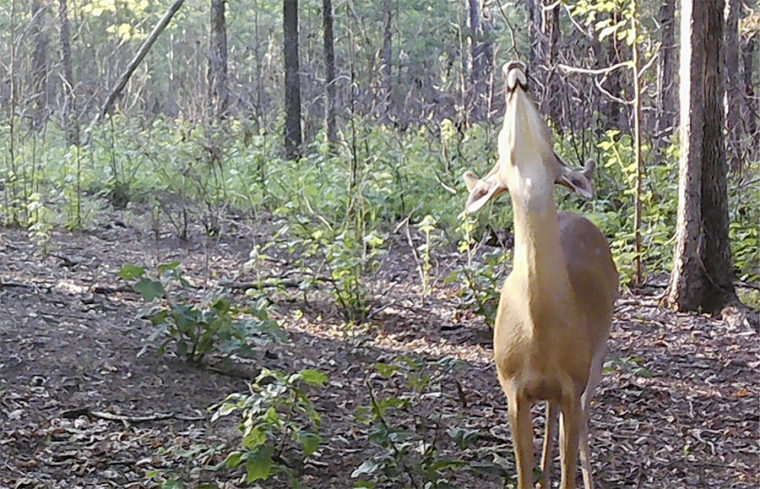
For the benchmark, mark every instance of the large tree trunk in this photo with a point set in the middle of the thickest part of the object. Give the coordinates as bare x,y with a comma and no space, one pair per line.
39,62
667,76
70,126
702,274
218,95
732,80
329,49
292,81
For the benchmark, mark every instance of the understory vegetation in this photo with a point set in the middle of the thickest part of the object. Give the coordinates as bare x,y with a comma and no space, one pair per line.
338,205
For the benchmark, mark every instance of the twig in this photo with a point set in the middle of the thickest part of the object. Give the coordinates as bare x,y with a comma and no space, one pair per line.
289,283
108,289
748,285
87,411
588,71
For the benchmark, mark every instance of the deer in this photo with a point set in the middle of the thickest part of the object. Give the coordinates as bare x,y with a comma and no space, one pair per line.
556,305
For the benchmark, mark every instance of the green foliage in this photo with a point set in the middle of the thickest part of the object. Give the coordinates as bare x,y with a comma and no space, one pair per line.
415,438
743,228
198,327
279,424
339,226
427,226
615,197
279,427
479,280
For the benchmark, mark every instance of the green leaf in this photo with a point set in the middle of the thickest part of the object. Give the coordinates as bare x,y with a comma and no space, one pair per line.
174,484
310,442
386,369
464,438
234,459
314,377
131,272
150,289
272,417
165,267
365,484
259,464
255,438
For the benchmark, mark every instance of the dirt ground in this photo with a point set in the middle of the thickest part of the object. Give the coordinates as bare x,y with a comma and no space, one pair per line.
679,407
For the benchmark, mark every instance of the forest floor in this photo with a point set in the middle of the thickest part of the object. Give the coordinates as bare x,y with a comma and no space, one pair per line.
678,408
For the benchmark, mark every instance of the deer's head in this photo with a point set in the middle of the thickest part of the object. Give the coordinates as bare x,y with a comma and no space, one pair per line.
527,166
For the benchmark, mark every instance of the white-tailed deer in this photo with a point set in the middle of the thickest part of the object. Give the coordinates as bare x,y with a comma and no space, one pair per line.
556,306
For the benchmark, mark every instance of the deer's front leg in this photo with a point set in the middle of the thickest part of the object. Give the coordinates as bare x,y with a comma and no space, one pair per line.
522,436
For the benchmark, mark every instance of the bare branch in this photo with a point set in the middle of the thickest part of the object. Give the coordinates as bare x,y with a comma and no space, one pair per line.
601,71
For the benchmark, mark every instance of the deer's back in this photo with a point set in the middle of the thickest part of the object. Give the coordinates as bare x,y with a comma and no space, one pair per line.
592,272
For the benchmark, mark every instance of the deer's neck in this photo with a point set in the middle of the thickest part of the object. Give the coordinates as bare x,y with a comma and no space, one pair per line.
539,261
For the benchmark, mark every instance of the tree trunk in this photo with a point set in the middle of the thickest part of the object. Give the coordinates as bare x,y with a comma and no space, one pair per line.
329,49
218,95
615,112
481,52
637,146
70,126
551,102
666,74
387,60
292,81
116,91
534,19
488,57
476,54
702,276
39,63
750,114
733,91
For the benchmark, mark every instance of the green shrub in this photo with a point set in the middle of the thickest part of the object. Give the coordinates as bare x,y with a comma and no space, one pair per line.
278,423
198,327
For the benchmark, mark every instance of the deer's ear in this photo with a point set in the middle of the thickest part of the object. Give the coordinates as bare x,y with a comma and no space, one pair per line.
481,191
578,181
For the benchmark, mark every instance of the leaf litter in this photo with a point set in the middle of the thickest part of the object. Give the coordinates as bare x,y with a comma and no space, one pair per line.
679,406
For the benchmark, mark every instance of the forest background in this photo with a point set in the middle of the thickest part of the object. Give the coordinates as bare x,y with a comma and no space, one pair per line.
328,138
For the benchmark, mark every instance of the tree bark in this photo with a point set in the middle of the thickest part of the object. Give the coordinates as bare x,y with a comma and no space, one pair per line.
551,102
732,80
637,146
218,95
488,57
476,48
122,82
39,63
292,82
69,125
667,76
481,53
702,276
329,51
387,60
750,115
